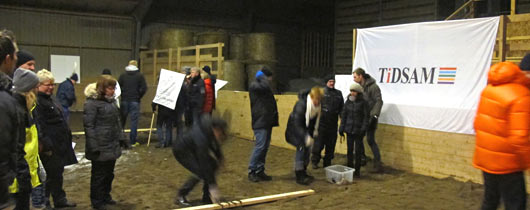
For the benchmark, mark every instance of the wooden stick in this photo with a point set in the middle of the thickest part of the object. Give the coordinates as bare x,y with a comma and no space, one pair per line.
252,201
79,133
151,129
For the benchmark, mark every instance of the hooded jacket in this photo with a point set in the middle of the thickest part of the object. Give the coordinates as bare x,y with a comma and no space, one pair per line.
502,122
198,151
262,104
195,94
209,99
103,130
298,126
354,116
133,85
372,94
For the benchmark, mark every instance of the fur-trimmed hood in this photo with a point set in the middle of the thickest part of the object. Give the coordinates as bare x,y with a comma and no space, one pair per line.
91,91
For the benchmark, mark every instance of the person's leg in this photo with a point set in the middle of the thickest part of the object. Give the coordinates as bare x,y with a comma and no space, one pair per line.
188,186
256,164
135,115
37,196
109,177
370,137
169,132
513,191
97,180
317,149
206,193
160,131
358,140
491,192
349,147
54,183
124,112
263,155
22,200
329,145
66,113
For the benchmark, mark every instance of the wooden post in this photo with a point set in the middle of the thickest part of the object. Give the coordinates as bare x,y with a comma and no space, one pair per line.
219,61
502,43
512,8
197,56
155,55
252,201
142,56
170,58
179,54
354,46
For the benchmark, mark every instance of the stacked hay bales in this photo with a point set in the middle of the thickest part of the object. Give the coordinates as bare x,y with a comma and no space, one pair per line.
260,52
172,38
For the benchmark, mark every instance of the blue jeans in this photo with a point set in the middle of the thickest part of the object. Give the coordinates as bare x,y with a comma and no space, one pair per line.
131,108
370,138
66,114
164,132
301,158
257,159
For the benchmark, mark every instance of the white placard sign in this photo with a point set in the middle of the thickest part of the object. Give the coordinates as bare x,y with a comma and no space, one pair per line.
62,67
168,89
218,85
430,74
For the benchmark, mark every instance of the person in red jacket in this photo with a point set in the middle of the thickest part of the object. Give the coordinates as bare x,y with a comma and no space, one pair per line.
502,147
207,108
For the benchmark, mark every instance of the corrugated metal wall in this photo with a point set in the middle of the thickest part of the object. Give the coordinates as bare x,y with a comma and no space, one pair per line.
101,41
523,6
350,14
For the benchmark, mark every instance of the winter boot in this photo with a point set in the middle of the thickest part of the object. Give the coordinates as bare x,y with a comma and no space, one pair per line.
377,167
302,178
327,163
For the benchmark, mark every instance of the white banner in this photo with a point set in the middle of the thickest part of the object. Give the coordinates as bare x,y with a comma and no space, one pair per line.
431,74
168,88
218,85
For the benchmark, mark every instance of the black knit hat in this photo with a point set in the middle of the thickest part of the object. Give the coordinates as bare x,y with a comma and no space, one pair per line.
207,69
106,72
266,71
23,57
329,77
525,63
74,77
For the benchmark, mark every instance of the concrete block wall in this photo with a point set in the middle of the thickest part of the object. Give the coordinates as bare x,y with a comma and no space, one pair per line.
426,152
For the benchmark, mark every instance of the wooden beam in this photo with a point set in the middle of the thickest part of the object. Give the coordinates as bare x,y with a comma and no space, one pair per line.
197,56
512,8
502,43
252,201
354,46
170,59
155,54
79,133
459,9
519,18
179,54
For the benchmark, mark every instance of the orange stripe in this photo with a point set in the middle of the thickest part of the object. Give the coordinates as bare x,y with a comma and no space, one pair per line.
447,68
447,79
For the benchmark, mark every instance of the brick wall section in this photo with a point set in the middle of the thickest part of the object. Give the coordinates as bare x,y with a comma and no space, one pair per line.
426,152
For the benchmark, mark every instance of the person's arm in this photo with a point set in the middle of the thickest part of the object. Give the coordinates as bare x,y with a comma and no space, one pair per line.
376,110
519,128
365,117
40,123
343,118
202,93
70,95
299,122
89,121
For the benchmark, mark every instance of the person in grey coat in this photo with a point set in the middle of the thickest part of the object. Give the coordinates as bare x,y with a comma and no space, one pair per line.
372,94
104,136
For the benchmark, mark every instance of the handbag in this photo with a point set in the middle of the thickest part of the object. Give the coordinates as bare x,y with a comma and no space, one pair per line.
41,171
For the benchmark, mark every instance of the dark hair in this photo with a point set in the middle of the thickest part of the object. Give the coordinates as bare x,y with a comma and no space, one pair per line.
103,83
360,72
7,44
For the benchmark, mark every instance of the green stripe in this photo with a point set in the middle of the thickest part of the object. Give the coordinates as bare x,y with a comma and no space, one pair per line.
441,75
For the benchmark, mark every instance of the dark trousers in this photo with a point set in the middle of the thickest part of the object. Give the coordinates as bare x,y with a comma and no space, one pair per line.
192,116
54,182
188,186
101,182
327,139
510,187
22,200
354,141
370,137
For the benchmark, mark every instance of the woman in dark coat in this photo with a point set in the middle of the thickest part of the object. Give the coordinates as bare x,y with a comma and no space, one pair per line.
302,128
354,122
104,136
55,139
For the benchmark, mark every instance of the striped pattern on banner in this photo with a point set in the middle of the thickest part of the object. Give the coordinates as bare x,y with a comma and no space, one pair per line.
447,75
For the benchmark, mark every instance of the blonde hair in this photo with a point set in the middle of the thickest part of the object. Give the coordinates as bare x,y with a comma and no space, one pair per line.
316,93
45,75
195,69
31,98
133,63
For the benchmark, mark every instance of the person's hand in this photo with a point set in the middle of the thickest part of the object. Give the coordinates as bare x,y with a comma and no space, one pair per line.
215,195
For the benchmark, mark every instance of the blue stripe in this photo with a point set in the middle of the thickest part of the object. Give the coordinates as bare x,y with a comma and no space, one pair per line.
447,72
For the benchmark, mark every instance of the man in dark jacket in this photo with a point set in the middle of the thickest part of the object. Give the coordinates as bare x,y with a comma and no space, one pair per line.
332,103
264,117
195,94
9,118
199,151
66,95
25,60
56,139
372,94
133,88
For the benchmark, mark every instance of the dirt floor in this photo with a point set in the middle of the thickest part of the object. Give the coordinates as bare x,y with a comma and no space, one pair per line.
147,178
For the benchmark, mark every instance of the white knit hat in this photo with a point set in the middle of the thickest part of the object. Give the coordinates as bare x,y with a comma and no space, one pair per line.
356,87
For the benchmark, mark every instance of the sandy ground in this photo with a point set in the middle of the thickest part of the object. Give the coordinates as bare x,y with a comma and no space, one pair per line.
147,178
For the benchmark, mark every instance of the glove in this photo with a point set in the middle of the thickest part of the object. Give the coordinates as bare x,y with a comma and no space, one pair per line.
308,141
215,195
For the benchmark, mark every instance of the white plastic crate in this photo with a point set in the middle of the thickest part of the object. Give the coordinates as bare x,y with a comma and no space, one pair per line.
339,174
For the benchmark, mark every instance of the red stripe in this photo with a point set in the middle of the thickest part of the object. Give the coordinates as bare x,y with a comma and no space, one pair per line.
447,68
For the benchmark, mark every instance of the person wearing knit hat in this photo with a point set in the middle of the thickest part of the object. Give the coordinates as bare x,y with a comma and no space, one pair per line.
66,94
106,72
24,80
25,60
354,122
332,103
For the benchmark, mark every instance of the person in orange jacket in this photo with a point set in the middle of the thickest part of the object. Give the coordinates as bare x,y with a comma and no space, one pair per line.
502,126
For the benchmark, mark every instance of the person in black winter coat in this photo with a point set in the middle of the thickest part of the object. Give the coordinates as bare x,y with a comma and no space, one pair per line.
133,88
332,103
104,135
264,117
354,122
199,151
302,128
66,95
55,137
165,119
9,118
195,92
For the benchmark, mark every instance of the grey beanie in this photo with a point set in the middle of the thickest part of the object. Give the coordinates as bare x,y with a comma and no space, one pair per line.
25,80
356,87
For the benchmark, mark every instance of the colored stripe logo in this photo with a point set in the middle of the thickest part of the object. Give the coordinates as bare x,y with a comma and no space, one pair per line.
447,75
